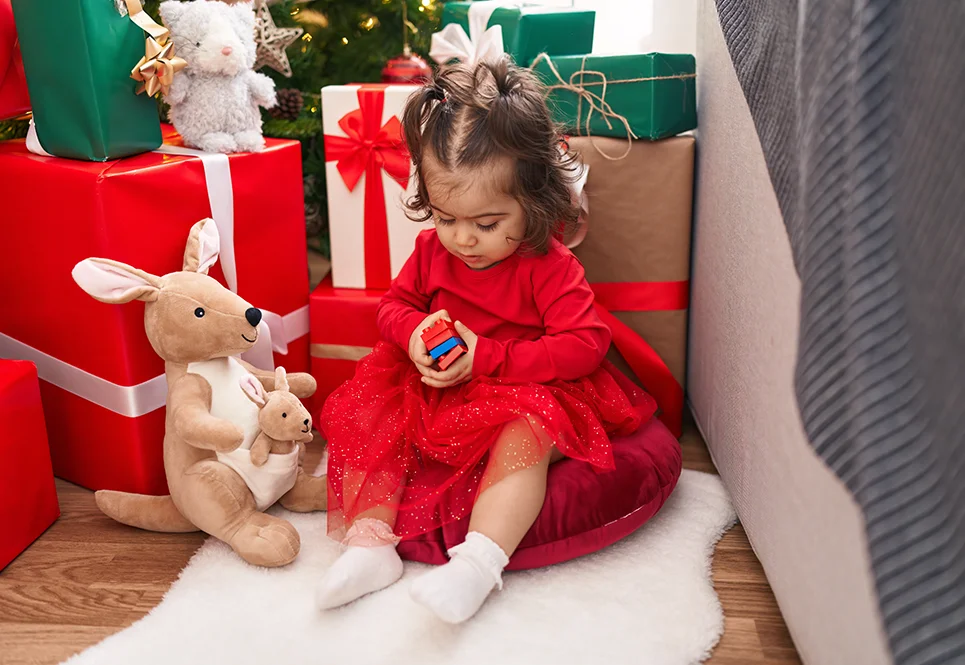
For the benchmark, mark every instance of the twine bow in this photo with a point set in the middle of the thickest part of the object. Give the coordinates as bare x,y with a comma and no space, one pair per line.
156,70
578,85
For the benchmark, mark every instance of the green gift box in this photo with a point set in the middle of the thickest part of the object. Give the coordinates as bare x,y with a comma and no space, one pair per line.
531,30
655,93
78,56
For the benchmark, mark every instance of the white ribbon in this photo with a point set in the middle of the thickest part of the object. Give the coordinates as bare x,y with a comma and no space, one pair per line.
33,142
217,178
482,44
579,197
130,401
274,332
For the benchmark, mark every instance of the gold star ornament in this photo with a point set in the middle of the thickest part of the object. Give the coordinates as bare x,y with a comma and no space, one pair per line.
271,41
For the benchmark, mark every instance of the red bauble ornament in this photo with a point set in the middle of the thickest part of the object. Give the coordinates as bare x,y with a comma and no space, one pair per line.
406,68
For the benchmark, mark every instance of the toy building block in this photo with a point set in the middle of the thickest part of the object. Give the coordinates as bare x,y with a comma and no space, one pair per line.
451,357
439,326
441,329
438,351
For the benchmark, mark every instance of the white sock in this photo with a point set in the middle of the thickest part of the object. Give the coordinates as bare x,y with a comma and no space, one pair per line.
360,570
456,590
370,563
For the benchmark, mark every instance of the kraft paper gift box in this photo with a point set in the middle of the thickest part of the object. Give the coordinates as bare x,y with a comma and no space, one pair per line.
636,253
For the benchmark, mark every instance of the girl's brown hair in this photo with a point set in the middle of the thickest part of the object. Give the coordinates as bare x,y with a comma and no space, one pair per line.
469,117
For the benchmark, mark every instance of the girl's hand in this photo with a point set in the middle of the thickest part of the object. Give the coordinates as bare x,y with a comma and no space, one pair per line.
461,370
418,352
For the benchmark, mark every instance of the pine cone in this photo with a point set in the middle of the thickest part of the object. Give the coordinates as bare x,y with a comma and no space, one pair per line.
289,104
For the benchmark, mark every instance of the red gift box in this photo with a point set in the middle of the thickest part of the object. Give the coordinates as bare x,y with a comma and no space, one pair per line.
28,497
103,386
14,100
343,331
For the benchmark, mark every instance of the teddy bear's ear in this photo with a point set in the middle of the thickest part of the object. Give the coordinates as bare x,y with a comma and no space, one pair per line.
246,12
171,12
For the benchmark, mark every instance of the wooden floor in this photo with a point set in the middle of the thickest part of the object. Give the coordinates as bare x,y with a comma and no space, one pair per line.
88,577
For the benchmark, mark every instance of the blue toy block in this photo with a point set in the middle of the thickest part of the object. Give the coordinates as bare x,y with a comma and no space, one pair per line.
441,350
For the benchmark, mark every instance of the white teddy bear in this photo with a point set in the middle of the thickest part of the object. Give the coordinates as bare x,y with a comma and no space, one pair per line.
214,100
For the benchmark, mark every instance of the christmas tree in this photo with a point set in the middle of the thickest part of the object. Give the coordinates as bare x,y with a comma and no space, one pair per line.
341,42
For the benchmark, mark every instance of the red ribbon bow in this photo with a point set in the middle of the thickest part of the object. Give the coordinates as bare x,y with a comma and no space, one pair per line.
369,147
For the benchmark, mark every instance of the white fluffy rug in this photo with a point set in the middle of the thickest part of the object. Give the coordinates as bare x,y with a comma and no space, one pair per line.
647,599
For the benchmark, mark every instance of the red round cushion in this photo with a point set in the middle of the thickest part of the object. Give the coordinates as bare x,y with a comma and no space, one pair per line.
584,510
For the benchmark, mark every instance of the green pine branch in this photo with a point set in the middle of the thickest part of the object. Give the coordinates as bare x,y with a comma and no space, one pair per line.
373,32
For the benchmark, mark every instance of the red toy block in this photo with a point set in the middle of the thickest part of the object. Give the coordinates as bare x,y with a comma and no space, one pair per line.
442,329
439,339
451,357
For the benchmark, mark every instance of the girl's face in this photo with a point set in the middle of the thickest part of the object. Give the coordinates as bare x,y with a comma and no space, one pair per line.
474,220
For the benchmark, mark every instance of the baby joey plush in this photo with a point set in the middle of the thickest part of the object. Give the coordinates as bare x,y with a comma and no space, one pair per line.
284,421
214,100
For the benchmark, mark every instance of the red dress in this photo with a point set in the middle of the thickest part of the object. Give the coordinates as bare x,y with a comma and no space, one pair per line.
539,379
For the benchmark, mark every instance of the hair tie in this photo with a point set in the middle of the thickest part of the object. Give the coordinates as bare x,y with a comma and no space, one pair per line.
437,93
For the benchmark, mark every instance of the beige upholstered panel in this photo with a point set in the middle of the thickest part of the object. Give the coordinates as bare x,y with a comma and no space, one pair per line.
802,522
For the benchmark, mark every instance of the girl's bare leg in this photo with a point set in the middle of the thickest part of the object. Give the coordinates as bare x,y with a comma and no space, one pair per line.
501,517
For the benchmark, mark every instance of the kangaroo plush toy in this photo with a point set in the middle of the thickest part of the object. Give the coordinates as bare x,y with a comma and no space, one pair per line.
200,328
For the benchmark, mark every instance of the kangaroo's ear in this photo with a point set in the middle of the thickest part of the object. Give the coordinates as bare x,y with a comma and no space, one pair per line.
203,246
254,390
115,282
281,379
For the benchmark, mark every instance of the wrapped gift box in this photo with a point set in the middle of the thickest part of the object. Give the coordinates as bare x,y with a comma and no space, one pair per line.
103,385
78,56
343,331
591,95
636,254
367,178
528,30
14,100
28,497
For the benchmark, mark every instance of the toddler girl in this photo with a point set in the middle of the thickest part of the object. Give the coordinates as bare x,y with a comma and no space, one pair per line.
413,448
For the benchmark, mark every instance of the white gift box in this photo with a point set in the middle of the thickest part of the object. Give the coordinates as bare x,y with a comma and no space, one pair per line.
368,176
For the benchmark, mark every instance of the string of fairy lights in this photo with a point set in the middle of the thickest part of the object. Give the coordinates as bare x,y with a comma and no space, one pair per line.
316,18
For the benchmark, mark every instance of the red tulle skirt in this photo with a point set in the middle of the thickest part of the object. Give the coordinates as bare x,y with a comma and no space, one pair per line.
398,446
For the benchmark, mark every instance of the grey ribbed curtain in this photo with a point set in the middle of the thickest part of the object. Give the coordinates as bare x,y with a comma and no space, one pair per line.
860,107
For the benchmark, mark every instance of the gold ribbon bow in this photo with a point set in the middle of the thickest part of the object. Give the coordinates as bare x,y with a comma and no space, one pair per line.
156,70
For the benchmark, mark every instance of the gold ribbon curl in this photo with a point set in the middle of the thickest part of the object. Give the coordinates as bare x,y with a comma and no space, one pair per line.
155,71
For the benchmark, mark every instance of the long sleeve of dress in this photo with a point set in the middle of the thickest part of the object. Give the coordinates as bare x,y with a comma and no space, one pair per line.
405,304
575,342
